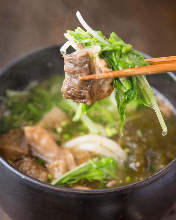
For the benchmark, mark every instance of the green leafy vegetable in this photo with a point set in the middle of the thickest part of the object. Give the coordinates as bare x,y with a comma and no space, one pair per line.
94,170
93,127
118,55
29,105
81,109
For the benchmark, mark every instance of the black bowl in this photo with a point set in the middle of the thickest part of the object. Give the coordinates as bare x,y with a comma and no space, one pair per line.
24,198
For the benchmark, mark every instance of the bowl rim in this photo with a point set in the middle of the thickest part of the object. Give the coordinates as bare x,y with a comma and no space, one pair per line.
48,187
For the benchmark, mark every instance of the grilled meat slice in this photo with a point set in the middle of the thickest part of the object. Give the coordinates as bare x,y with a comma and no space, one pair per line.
81,63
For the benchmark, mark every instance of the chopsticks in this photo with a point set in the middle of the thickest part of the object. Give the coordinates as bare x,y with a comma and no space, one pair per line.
157,65
161,60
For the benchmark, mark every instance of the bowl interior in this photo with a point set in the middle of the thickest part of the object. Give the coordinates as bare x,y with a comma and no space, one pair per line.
41,64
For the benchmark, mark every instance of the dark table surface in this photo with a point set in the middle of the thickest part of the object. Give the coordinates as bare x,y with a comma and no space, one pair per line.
149,25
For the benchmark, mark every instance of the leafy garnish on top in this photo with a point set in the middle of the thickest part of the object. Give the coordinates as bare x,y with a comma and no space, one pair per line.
118,55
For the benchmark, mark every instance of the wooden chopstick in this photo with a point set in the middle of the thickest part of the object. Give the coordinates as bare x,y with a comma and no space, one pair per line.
158,65
161,60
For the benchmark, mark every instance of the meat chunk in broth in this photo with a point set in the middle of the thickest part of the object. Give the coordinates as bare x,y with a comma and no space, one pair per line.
13,145
42,144
62,166
82,156
58,160
57,168
81,63
32,168
52,119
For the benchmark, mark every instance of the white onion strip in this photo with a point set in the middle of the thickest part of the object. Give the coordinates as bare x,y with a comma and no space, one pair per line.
64,47
98,144
96,149
71,40
89,29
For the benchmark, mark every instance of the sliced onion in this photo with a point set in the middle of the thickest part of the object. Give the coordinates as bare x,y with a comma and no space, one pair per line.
64,47
71,40
98,142
89,29
96,149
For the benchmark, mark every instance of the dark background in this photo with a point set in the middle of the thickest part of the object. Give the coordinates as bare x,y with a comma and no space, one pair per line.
149,25
25,25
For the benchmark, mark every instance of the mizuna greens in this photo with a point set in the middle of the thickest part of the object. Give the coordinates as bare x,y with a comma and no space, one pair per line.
118,55
101,170
28,106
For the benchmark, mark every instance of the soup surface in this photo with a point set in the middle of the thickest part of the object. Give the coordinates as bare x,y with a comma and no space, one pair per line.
41,137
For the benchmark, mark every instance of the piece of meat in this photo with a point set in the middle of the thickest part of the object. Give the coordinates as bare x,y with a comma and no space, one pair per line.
76,64
58,160
82,156
13,145
81,63
57,168
42,144
30,167
52,119
69,159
